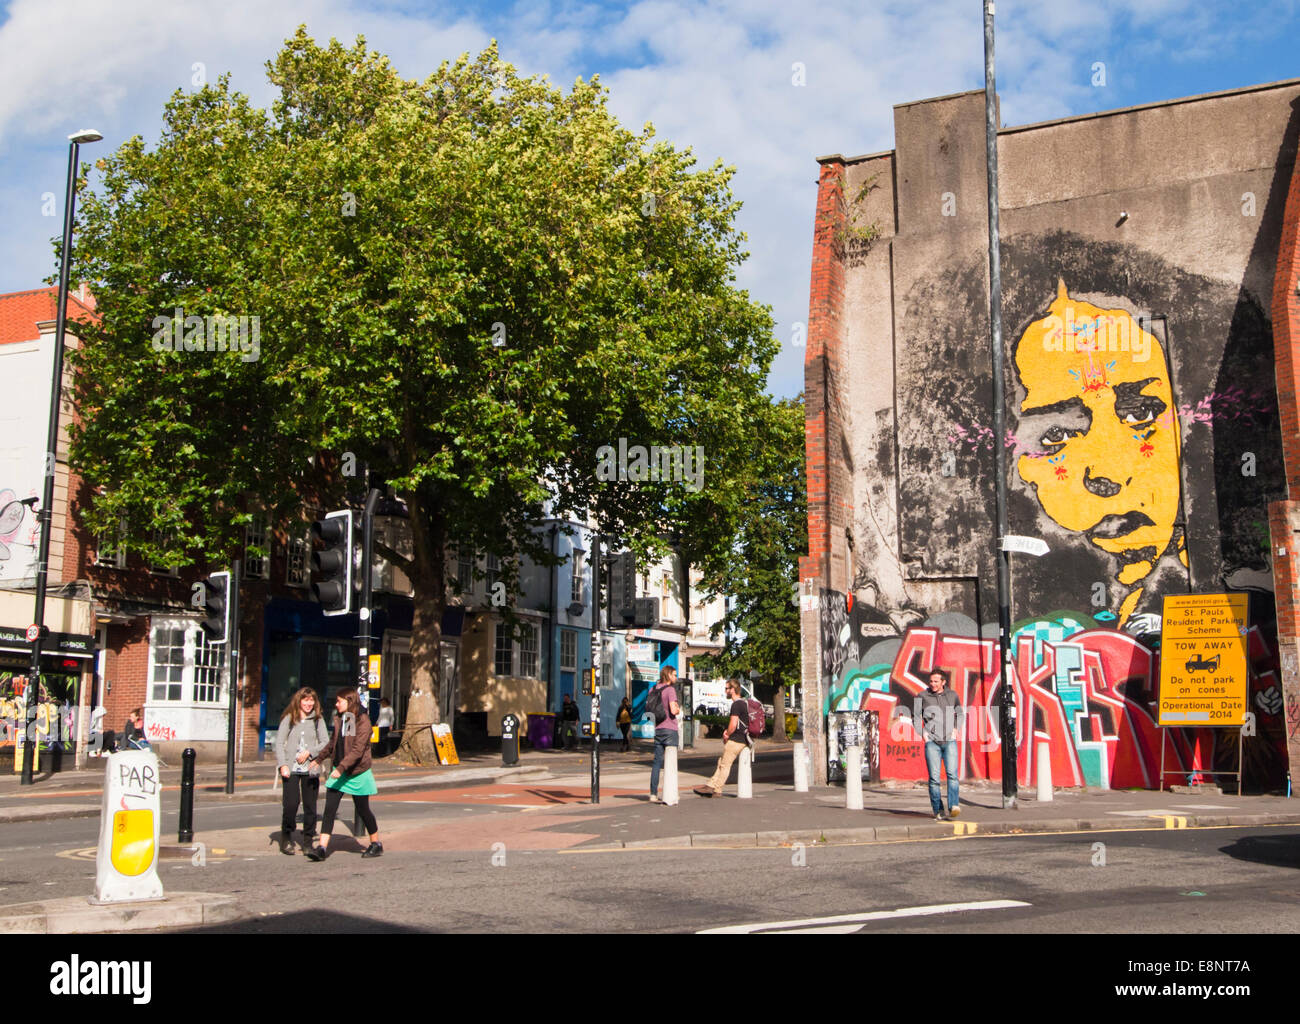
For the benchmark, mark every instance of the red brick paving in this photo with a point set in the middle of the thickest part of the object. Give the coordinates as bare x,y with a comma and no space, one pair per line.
513,794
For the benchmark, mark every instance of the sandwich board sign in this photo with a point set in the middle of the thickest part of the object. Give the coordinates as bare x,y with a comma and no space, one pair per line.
1204,675
126,862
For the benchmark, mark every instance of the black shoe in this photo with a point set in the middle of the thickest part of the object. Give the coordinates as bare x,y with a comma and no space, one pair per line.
318,853
285,841
373,850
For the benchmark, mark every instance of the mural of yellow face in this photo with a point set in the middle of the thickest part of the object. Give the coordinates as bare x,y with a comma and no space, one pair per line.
1099,433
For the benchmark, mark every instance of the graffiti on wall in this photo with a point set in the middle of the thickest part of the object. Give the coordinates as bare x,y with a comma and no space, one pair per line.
1100,435
17,536
1142,434
1085,688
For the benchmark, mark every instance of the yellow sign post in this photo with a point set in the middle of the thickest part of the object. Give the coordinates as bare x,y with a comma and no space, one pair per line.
1204,675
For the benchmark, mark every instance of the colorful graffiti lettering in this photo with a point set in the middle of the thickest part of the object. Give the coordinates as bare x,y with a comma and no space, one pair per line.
1088,692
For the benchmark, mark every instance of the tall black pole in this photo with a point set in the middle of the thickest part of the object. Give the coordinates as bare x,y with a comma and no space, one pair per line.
1003,558
597,565
232,672
364,636
43,517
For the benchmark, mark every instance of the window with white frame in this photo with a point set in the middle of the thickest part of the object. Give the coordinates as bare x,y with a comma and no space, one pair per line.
110,552
255,564
465,569
568,650
493,571
208,659
167,655
528,651
575,585
183,667
504,663
298,559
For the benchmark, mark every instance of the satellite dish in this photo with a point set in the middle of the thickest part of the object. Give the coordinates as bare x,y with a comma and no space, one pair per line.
576,608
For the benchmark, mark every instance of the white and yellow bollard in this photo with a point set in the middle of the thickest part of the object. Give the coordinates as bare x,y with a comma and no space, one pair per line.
126,863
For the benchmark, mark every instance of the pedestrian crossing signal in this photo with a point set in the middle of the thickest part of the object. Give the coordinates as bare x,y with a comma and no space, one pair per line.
589,682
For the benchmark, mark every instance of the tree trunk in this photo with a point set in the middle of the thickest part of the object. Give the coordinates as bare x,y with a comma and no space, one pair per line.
778,716
427,575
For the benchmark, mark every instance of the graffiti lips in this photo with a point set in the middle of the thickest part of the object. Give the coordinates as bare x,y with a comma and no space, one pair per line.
1113,527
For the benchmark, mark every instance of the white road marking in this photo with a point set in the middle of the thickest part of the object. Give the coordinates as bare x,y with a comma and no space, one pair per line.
846,923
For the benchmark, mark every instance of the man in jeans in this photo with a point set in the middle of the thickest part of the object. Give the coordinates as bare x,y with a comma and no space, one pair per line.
666,728
941,716
735,738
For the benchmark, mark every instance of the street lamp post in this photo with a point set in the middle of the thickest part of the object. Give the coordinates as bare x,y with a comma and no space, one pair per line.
44,516
1002,556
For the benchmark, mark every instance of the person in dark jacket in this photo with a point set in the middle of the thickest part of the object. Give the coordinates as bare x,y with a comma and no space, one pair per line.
941,719
570,718
350,745
133,737
299,743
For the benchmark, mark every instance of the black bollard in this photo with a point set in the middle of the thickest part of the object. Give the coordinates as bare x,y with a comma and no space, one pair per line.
185,830
509,740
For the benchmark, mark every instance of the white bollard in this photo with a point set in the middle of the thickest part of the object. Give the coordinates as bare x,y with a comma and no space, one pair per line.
801,768
671,795
1044,771
745,776
853,783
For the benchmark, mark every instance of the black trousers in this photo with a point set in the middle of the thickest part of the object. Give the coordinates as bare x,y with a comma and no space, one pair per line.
625,728
334,797
306,787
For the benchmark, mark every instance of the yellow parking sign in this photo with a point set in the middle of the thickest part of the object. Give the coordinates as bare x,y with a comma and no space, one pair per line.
1204,672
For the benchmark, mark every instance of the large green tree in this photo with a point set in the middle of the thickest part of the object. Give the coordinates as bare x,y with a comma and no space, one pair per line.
468,284
760,572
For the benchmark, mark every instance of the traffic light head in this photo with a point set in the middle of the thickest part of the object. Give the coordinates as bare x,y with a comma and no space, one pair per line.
216,608
331,564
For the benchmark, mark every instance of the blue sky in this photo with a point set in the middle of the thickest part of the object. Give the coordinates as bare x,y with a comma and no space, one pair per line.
716,76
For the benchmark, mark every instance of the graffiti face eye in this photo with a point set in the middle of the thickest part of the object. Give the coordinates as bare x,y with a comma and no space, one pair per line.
1140,417
1056,436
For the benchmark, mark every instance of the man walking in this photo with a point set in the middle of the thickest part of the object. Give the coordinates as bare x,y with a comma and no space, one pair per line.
569,719
735,738
941,716
661,702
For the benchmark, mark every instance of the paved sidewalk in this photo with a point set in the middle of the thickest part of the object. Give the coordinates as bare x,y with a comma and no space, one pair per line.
543,803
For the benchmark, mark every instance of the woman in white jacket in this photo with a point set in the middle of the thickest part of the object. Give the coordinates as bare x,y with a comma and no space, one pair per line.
301,739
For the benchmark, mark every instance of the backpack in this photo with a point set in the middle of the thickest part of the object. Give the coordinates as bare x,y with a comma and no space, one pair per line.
757,720
654,703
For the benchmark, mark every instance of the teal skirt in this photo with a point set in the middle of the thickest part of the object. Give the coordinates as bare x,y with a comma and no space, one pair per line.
354,785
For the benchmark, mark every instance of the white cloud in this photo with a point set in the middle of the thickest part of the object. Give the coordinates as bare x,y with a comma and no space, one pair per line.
712,75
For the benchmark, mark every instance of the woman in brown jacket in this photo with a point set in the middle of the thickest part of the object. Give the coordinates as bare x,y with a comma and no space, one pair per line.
350,745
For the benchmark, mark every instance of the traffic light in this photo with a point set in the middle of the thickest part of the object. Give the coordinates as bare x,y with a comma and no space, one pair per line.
216,608
622,590
588,682
331,568
645,612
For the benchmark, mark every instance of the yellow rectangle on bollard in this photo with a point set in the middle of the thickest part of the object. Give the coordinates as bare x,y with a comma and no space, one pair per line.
133,850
